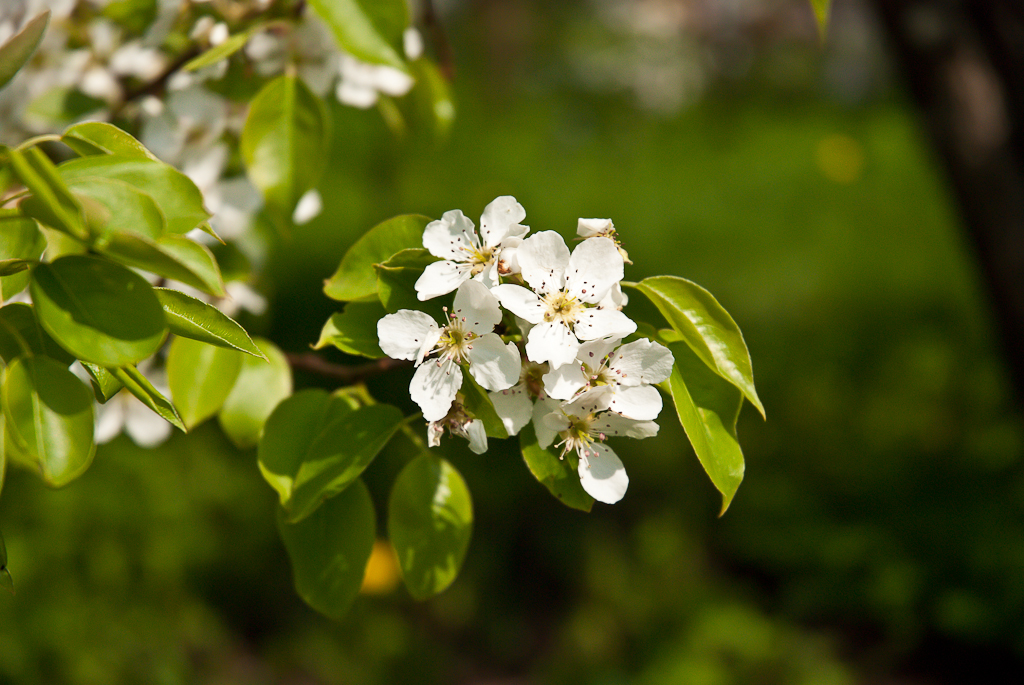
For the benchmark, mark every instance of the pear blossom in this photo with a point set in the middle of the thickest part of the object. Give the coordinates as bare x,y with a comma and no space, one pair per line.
464,254
526,401
584,425
565,301
459,422
625,375
440,351
601,228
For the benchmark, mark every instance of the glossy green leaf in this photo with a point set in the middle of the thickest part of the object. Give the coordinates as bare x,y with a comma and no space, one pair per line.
5,576
821,12
285,143
329,550
200,377
21,334
430,520
171,256
3,465
16,51
356,278
706,327
556,473
49,413
139,385
50,202
368,29
177,196
354,330
21,244
478,403
101,138
339,455
289,431
397,277
123,209
222,50
195,319
260,387
708,407
97,310
104,384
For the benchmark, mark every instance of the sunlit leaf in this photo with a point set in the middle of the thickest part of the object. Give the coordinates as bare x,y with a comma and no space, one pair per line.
200,377
21,242
51,202
104,384
371,30
354,330
479,404
708,408
49,413
21,334
285,143
171,256
15,52
128,209
260,387
101,138
397,277
558,475
356,278
138,385
430,520
97,310
706,327
329,550
195,319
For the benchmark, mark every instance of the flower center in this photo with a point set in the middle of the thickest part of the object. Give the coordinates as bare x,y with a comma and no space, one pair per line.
479,258
455,341
577,437
561,307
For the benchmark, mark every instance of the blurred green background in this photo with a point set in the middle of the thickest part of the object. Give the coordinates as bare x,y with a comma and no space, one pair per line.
878,536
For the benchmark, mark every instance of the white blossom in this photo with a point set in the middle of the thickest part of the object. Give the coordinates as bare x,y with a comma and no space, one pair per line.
466,254
460,423
440,351
526,401
565,290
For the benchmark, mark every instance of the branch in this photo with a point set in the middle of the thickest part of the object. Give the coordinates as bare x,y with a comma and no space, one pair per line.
445,57
156,85
311,363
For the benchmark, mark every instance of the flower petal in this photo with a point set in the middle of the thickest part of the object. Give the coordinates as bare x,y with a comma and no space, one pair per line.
477,436
434,386
402,334
588,228
563,382
500,218
642,402
610,424
493,364
520,301
545,434
594,267
552,342
476,307
602,474
440,278
543,258
595,322
513,406
593,351
641,361
450,237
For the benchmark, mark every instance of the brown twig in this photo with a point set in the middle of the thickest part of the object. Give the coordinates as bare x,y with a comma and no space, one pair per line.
443,49
311,363
157,84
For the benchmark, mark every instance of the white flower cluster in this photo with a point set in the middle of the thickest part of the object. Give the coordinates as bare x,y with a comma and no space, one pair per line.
573,377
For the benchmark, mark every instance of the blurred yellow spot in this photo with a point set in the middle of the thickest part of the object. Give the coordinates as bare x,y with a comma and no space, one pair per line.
381,575
840,158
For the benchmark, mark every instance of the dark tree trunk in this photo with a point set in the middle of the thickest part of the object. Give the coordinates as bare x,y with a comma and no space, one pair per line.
963,62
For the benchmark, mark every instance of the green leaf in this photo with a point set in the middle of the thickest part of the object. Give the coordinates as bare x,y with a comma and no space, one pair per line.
19,47
21,242
260,387
397,277
339,455
122,208
171,256
356,278
49,414
177,196
51,202
223,50
706,327
478,403
21,334
200,377
139,385
5,576
558,475
97,310
329,550
285,143
101,138
429,106
708,408
430,519
104,384
368,29
821,12
354,330
289,431
195,319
